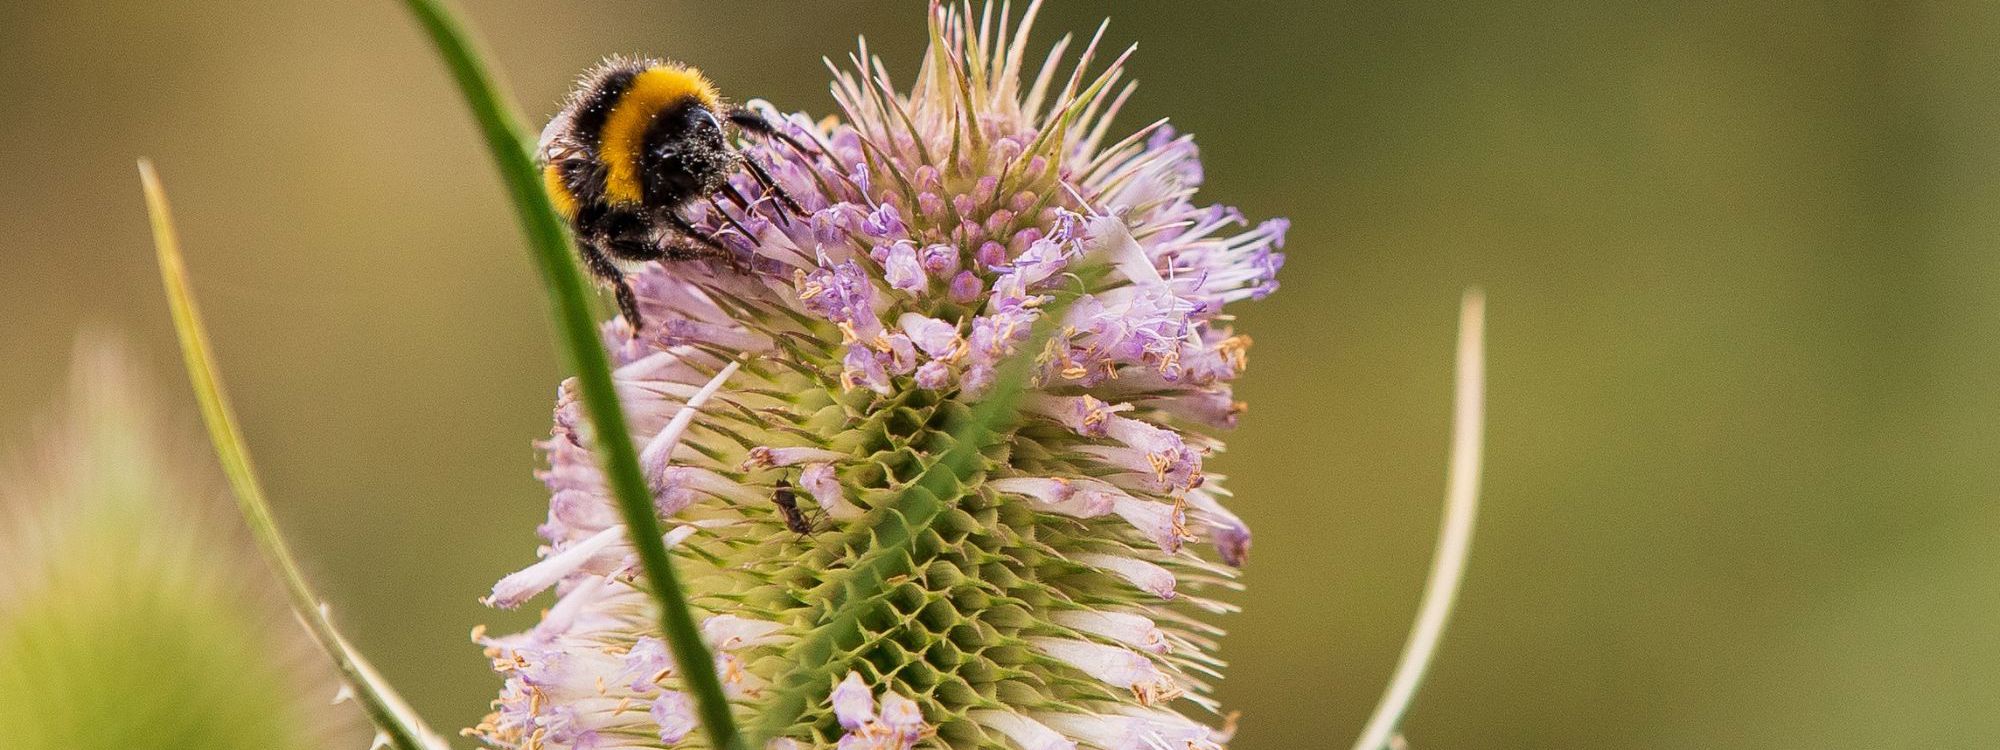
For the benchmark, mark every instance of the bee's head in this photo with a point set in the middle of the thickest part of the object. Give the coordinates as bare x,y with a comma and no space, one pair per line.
686,156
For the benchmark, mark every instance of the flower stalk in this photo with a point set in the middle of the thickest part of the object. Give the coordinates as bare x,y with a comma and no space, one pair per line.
1454,546
549,244
399,727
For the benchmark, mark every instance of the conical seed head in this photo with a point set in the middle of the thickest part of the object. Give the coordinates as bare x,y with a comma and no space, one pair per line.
787,403
131,616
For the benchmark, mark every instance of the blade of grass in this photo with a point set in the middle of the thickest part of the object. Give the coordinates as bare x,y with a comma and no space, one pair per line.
569,302
1455,537
398,726
914,509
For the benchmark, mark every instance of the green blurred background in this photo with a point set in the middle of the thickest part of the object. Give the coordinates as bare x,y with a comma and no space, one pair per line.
1745,318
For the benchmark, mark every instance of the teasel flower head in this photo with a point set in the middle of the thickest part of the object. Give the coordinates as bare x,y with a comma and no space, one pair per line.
1062,597
133,612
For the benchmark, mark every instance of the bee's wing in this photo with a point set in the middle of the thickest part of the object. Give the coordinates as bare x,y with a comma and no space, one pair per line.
547,148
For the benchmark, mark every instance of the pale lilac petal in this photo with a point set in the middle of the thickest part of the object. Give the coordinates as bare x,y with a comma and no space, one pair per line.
820,481
1133,630
902,716
1162,523
517,587
646,664
1113,665
765,456
853,703
675,715
1026,733
1146,576
936,338
903,271
730,632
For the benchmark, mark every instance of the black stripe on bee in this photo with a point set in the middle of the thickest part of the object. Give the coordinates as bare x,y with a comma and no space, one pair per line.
594,102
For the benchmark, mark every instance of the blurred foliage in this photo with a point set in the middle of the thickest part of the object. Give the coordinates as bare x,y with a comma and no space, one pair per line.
130,616
1745,307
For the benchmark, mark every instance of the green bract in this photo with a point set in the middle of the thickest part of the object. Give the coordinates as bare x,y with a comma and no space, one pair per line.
129,617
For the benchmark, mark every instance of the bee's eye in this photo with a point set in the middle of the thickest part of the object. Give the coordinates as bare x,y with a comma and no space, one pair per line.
696,129
702,124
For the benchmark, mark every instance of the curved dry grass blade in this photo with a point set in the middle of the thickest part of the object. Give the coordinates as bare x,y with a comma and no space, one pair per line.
569,297
398,726
1454,540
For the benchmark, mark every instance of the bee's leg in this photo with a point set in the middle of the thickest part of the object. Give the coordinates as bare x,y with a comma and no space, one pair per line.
736,197
680,225
628,305
764,178
749,206
719,211
600,265
755,124
684,241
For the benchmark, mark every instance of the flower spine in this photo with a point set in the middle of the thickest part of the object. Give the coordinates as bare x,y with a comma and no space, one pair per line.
1061,598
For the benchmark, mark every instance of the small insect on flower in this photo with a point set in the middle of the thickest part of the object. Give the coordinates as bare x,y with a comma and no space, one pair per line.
639,141
788,508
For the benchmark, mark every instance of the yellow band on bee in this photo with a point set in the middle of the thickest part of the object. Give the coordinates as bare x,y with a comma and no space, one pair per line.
559,194
623,138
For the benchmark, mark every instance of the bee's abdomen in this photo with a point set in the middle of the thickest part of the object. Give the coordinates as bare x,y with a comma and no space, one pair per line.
574,185
594,101
557,184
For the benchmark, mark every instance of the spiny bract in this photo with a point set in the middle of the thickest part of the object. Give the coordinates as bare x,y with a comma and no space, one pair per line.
1050,602
133,612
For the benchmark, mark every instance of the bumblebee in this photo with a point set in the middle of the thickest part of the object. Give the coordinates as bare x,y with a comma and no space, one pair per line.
637,142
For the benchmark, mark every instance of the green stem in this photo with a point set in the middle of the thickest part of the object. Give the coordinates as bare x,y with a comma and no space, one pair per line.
569,305
398,724
1454,544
